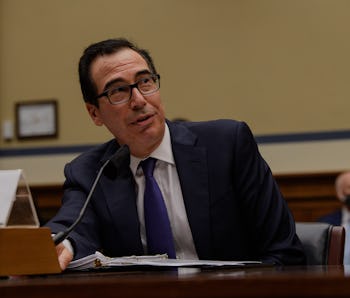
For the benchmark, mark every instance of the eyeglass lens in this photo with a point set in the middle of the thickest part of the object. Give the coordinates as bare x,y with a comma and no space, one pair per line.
145,85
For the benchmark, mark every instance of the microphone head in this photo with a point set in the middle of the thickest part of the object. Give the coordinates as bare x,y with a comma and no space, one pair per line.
121,158
119,163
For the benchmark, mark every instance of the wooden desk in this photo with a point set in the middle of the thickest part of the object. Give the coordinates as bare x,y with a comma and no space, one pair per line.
264,282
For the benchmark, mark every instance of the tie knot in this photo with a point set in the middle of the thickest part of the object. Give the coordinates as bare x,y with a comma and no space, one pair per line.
148,166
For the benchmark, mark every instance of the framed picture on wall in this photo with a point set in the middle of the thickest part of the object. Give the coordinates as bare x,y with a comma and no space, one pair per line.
36,119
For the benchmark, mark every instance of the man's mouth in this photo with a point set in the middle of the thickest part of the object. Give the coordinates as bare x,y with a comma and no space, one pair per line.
142,118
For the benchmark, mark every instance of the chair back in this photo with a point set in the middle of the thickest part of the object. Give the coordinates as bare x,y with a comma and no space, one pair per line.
323,243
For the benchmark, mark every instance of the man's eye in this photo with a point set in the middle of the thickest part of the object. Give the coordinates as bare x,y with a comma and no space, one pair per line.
119,89
146,81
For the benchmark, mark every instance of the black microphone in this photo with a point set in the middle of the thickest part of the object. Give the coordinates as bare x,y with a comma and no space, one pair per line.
119,159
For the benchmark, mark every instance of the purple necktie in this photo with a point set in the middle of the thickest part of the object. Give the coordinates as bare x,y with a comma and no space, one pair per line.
158,230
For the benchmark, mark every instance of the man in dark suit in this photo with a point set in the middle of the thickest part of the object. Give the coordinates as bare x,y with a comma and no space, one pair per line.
221,198
342,189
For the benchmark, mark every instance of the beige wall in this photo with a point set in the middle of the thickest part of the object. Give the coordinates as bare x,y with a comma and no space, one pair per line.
281,65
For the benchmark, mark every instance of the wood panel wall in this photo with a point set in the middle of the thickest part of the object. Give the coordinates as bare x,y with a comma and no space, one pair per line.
309,196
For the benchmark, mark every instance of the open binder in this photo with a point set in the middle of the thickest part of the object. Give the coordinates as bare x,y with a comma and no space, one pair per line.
25,248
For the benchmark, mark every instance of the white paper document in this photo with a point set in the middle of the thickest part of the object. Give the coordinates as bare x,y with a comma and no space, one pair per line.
98,260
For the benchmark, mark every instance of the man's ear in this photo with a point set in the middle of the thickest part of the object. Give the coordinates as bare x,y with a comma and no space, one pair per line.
94,113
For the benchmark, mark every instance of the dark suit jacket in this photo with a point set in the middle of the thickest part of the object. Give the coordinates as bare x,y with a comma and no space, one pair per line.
234,207
333,218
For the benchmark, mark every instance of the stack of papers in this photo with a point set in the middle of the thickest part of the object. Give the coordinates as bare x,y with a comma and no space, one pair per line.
98,260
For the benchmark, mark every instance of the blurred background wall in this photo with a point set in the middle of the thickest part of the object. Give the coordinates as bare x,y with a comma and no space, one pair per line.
280,65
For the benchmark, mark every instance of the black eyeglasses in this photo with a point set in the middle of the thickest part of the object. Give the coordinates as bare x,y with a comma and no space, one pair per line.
147,85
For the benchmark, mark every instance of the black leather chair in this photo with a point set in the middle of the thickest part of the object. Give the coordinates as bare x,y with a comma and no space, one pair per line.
323,243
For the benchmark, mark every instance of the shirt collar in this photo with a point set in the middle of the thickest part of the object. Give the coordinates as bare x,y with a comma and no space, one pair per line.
162,152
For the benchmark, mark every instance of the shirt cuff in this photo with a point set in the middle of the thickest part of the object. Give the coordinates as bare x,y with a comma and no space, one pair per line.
68,245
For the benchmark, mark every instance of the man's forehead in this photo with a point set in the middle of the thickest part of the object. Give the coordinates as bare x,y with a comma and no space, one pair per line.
121,58
107,66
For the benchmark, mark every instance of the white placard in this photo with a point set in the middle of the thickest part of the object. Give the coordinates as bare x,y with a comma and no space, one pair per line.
8,187
16,203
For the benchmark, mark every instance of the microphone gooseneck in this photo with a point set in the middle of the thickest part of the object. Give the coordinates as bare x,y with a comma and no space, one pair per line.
118,159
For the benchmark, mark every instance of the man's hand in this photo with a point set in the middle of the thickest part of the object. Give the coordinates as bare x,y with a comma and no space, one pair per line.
65,256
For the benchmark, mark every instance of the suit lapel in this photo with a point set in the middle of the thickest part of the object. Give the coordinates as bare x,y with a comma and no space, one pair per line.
191,164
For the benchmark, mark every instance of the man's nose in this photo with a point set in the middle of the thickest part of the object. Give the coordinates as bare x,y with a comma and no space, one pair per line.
137,99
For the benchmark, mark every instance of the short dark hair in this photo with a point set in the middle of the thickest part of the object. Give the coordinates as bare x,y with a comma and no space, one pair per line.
105,47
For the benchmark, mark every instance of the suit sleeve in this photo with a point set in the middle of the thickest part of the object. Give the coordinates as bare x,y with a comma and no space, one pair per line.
271,224
74,197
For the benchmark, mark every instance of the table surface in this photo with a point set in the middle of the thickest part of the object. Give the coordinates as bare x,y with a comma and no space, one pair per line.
312,281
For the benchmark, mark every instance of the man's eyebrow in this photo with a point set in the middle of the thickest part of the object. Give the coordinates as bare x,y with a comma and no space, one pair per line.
142,72
139,73
110,83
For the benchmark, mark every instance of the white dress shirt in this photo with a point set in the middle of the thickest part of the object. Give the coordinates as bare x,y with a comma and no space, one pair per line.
345,216
346,224
165,174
